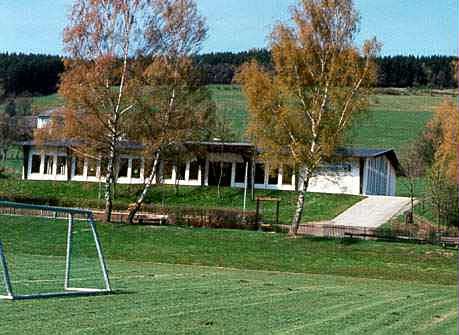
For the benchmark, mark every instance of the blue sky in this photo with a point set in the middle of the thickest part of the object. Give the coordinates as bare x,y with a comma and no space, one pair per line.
419,27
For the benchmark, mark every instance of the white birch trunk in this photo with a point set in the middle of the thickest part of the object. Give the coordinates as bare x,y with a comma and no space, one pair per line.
109,181
149,182
302,189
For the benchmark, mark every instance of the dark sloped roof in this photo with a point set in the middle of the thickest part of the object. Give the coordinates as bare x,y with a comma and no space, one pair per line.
361,152
68,143
50,112
371,153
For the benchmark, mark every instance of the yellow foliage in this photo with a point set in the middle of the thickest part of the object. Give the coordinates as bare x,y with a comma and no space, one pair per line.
447,119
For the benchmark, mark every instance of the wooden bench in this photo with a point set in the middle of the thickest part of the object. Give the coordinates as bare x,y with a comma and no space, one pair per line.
449,242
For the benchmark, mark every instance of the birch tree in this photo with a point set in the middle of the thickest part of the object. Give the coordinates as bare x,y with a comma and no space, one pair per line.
299,111
174,107
102,39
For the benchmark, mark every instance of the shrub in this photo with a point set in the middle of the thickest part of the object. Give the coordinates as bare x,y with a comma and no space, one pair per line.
189,216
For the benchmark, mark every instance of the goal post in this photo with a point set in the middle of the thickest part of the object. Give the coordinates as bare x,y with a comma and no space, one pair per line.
73,217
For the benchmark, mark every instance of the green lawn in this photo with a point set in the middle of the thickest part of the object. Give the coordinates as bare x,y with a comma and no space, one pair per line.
198,281
318,206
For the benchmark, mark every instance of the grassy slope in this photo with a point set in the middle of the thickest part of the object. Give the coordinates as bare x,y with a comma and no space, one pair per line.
46,102
391,121
318,206
361,288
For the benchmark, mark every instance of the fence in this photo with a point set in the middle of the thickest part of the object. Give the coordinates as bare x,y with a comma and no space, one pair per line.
410,233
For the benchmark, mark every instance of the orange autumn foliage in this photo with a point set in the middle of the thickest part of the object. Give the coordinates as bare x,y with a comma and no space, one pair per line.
447,120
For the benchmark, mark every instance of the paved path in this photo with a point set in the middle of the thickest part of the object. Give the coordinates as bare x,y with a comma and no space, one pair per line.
372,212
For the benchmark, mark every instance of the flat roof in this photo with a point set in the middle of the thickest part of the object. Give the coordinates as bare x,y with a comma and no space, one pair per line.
245,146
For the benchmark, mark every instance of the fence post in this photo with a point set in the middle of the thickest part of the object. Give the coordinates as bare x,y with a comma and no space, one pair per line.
257,212
277,212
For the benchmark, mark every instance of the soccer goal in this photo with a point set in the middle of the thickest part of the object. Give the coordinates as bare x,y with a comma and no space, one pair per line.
48,252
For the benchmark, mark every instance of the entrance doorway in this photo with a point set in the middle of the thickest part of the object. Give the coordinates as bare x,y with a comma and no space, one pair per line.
219,173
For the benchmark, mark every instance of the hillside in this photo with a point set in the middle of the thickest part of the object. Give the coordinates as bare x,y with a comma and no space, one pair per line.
391,121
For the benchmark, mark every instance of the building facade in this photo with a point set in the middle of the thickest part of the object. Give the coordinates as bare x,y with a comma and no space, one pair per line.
354,171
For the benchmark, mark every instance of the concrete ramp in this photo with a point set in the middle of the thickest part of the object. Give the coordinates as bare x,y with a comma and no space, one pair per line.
372,212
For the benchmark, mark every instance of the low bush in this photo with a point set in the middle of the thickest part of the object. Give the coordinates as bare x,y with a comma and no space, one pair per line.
188,216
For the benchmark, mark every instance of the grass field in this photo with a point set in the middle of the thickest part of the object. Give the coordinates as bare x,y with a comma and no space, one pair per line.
199,281
318,206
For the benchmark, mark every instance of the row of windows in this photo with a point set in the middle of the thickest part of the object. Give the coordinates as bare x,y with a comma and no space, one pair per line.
49,161
168,169
261,172
180,170
48,164
122,167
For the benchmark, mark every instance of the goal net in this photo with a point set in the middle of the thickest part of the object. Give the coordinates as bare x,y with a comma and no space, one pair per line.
49,251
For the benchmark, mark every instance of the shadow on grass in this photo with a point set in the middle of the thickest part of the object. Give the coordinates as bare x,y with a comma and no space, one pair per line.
344,241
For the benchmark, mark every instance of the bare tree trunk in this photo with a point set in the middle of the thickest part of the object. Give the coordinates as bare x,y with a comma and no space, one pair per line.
149,182
304,183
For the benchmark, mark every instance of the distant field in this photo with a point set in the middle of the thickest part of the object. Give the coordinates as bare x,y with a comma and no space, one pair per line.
391,121
47,102
199,281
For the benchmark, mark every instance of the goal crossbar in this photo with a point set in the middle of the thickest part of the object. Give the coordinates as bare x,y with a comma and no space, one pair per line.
67,290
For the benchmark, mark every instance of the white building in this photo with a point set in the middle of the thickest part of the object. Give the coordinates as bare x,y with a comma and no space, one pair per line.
354,171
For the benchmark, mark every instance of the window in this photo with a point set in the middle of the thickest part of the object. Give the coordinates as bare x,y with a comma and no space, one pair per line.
287,175
148,167
123,168
194,171
273,176
167,169
180,171
240,173
79,166
92,168
103,167
61,165
36,162
136,167
49,161
335,168
259,173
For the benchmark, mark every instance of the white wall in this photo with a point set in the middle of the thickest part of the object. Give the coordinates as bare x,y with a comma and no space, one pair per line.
346,182
43,121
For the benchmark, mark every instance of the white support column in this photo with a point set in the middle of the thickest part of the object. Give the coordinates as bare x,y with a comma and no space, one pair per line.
187,172
233,174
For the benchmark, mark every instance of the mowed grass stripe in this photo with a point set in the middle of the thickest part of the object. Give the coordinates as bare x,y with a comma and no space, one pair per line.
404,322
218,294
242,250
369,313
172,306
230,304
